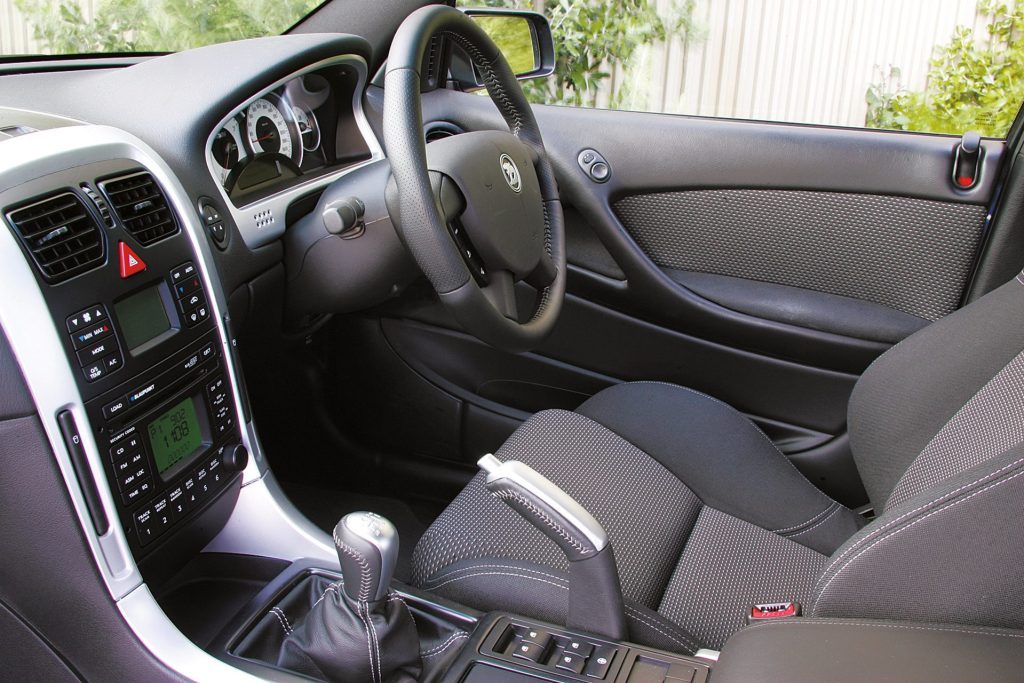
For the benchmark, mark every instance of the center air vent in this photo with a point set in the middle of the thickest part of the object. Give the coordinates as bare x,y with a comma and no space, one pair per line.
61,235
140,204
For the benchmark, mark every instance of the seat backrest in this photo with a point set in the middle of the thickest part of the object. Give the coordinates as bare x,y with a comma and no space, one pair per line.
937,432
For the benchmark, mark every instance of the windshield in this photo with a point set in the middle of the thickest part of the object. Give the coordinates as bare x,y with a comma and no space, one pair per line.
70,27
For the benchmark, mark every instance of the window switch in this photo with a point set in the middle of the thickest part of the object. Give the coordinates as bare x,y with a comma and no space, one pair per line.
537,635
579,647
527,650
570,662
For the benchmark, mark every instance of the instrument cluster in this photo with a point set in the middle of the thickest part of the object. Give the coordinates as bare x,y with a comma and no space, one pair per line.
276,136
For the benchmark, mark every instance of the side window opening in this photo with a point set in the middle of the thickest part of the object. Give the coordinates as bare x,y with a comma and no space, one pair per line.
933,66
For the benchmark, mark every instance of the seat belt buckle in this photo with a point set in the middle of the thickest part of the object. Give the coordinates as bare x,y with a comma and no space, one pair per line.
772,610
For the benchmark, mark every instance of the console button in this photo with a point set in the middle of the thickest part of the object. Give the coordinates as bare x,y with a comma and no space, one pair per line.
90,335
115,408
144,525
570,662
536,635
579,647
527,650
161,514
89,316
183,271
680,673
126,465
209,351
94,371
179,502
187,286
113,362
598,663
133,475
137,492
96,351
190,301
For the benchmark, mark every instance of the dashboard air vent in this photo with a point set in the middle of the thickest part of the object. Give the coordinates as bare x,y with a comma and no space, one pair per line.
61,235
142,207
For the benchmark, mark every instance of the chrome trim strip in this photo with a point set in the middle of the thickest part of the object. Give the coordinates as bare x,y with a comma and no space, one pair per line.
252,219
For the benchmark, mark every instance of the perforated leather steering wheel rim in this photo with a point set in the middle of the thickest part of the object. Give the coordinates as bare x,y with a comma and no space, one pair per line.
421,225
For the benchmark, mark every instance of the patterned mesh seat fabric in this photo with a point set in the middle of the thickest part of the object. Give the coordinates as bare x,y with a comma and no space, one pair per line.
937,432
668,543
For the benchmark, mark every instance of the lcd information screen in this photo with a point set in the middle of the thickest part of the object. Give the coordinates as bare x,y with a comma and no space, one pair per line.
142,317
175,435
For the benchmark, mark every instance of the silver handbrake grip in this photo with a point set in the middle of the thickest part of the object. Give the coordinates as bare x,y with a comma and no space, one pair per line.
595,595
540,501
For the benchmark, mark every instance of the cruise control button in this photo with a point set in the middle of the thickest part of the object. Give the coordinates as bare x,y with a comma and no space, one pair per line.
570,662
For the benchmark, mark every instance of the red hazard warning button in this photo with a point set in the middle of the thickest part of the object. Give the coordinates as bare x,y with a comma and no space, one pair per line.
129,260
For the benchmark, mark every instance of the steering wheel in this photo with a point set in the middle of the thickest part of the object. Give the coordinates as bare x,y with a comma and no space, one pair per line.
478,211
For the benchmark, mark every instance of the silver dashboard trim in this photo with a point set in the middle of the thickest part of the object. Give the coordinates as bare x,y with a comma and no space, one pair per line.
262,221
36,344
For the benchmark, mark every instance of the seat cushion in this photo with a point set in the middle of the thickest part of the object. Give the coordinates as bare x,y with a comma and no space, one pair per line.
625,455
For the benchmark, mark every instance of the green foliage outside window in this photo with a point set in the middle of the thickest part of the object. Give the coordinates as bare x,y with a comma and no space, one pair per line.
156,25
974,82
591,38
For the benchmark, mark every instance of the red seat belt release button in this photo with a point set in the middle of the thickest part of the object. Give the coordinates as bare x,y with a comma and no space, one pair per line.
130,262
773,610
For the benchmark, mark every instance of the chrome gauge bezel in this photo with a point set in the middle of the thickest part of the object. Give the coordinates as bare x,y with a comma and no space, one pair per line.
262,221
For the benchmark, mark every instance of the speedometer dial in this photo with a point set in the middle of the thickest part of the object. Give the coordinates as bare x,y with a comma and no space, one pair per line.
268,131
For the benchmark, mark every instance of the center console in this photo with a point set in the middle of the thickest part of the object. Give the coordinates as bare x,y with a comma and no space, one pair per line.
118,274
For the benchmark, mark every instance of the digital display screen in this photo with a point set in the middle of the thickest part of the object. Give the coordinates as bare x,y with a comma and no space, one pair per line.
142,317
175,435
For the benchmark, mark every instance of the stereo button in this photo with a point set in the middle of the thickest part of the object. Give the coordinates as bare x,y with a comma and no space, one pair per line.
161,514
138,492
144,525
133,476
133,461
209,351
115,408
179,502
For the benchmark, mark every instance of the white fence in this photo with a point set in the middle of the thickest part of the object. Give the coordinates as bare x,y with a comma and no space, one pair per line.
785,60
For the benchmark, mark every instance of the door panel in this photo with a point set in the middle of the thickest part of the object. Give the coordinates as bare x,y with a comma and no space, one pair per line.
764,264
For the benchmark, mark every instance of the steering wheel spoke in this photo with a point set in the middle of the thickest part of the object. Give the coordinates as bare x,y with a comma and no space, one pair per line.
501,292
544,274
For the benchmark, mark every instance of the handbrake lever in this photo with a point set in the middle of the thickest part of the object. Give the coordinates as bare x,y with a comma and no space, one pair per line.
595,594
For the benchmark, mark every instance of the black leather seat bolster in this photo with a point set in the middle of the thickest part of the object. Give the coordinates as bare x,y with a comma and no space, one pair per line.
728,462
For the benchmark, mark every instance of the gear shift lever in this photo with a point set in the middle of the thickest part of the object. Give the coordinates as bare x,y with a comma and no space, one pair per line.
595,595
358,632
367,546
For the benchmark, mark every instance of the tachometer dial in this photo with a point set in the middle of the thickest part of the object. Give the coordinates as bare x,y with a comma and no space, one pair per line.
227,149
268,131
309,129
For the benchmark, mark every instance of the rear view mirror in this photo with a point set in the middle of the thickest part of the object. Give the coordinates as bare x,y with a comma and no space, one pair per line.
524,38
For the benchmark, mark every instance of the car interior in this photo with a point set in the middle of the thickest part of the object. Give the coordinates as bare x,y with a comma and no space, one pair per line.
328,356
